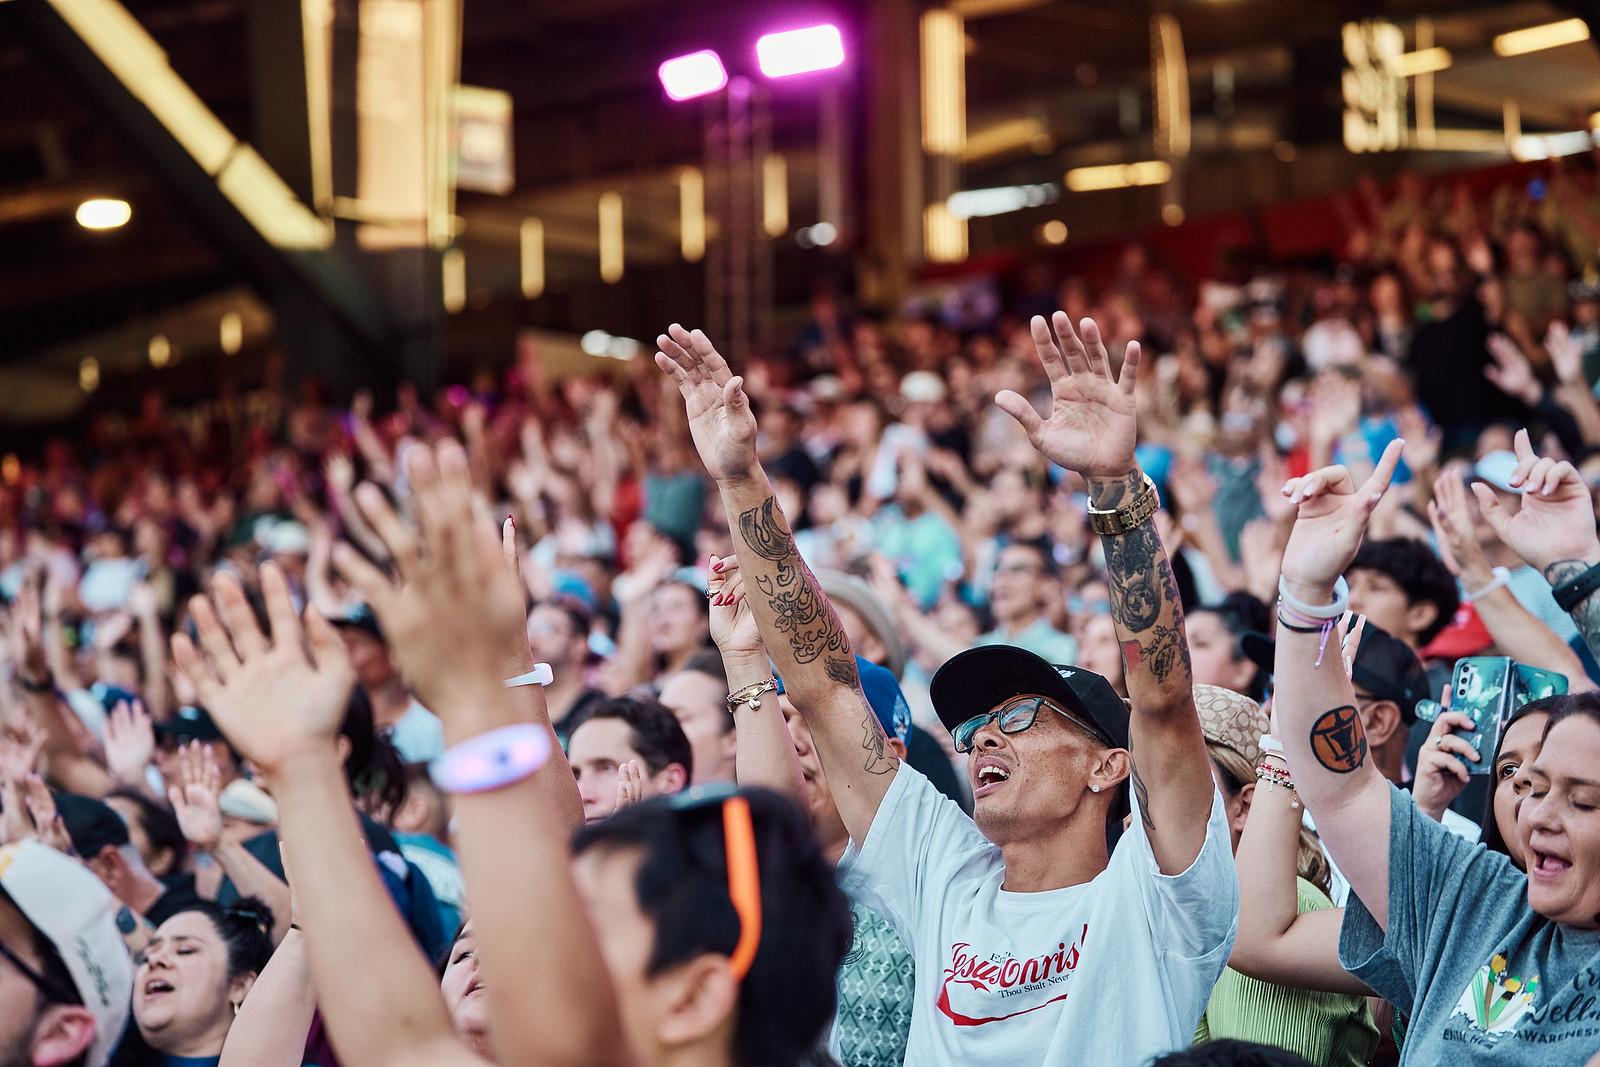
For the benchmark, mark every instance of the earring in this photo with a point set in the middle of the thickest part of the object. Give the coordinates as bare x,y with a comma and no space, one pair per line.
1094,789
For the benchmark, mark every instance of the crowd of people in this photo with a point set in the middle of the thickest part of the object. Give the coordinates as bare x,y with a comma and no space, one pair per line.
1202,673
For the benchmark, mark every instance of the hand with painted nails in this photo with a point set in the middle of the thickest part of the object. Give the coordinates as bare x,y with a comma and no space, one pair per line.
733,626
1555,520
1330,520
277,695
1092,426
720,419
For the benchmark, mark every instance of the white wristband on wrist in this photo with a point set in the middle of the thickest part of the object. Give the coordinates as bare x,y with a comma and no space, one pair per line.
1341,601
540,675
1502,577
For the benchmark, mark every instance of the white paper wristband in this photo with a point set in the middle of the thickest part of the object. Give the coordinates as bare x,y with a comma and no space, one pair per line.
540,675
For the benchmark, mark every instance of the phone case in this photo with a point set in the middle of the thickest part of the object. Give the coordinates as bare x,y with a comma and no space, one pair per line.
1483,689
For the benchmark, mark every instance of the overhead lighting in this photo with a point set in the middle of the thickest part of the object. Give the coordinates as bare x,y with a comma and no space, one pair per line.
1169,80
1422,61
610,237
802,51
692,214
944,237
1119,176
454,279
1538,38
1008,135
696,74
1172,214
1053,232
230,333
944,88
981,203
594,342
1549,146
159,350
89,374
104,213
601,343
530,249
774,196
821,235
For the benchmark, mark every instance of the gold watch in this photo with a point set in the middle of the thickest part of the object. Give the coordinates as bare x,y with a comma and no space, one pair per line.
1117,521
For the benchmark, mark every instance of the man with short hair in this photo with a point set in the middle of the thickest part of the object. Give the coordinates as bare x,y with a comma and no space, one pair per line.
65,977
614,732
558,634
1403,587
1025,926
413,730
1016,599
101,837
698,696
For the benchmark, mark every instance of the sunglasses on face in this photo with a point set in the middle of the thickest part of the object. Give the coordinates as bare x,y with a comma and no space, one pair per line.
52,992
1013,718
744,871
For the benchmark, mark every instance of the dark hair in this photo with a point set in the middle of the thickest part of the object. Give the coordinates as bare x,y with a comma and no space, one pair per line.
160,826
654,732
1040,546
708,662
245,927
1230,1053
1558,708
1419,573
788,997
374,768
1241,613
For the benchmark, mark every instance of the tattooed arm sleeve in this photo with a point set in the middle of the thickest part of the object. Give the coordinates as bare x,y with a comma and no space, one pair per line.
1171,773
811,652
1586,615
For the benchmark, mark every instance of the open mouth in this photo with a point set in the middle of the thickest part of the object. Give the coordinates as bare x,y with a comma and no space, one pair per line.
156,986
1548,865
989,775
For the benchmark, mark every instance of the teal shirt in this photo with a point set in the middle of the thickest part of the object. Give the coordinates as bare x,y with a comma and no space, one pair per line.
1483,978
877,983
1041,639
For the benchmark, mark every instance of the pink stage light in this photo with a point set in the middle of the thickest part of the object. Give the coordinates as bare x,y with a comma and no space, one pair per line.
695,74
800,51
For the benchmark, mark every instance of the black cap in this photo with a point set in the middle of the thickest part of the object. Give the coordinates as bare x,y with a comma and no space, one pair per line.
1385,668
91,824
974,681
360,617
189,723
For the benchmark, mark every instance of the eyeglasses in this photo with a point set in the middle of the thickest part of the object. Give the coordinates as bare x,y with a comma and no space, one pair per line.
744,869
1015,717
51,991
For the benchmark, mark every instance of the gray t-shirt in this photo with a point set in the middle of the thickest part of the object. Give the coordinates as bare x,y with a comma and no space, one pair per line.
1484,979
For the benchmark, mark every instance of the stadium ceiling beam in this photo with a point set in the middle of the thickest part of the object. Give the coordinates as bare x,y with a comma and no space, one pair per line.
285,247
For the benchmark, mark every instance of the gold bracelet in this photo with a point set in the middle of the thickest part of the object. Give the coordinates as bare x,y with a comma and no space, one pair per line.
1116,521
750,695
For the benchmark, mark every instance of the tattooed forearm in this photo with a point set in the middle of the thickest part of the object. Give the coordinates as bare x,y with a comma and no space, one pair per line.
1141,793
843,670
1586,616
802,615
1134,579
1338,741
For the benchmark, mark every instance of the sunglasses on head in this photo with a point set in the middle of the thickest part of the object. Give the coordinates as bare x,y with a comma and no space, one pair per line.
1015,716
744,870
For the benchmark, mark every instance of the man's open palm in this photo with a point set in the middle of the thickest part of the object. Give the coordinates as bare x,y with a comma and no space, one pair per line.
720,419
1092,426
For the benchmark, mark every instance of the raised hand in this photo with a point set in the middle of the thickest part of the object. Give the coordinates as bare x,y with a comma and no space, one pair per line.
733,626
130,742
20,745
630,784
27,632
196,797
277,695
1330,522
454,600
1566,352
1555,521
1092,427
1453,528
720,419
1511,373
1441,774
48,825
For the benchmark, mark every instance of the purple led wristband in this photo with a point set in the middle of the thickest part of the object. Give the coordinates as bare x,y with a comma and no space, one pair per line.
492,760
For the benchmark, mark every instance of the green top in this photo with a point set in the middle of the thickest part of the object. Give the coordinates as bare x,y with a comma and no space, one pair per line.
1328,1029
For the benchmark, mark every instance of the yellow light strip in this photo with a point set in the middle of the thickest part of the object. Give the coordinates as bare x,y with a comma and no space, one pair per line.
1511,121
692,214
453,265
316,28
230,333
530,247
774,195
1170,81
1008,135
944,85
1118,176
1538,38
1422,61
1422,88
610,237
944,236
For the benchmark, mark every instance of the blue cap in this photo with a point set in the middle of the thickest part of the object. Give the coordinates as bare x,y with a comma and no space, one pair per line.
884,696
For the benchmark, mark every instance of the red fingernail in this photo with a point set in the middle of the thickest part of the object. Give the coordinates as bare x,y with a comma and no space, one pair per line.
717,566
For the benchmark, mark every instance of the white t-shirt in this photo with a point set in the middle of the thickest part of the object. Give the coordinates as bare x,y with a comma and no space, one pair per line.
1113,971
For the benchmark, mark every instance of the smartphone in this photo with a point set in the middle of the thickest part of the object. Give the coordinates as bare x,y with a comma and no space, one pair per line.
1487,690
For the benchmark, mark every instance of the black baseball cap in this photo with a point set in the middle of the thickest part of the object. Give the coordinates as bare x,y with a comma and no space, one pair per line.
189,723
1386,668
91,824
360,617
974,681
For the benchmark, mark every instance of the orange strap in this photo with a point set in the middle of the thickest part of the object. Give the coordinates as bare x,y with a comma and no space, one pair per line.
744,881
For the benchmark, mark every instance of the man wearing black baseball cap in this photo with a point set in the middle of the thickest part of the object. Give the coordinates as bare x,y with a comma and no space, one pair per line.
1024,925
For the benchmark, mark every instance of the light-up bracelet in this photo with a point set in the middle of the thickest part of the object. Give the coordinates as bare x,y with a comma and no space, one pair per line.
492,760
540,675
